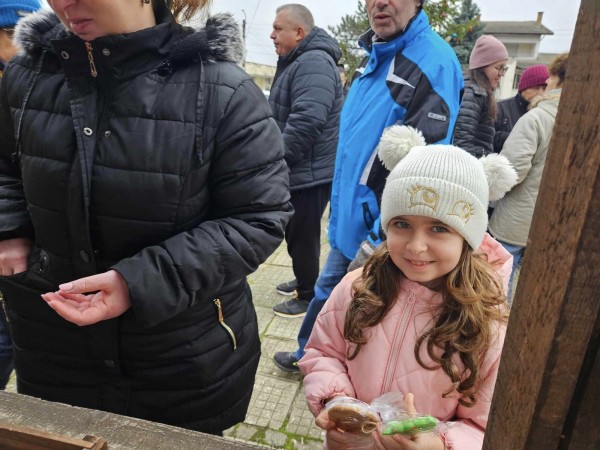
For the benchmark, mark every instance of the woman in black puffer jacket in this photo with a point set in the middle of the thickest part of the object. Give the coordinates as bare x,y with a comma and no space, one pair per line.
141,172
474,130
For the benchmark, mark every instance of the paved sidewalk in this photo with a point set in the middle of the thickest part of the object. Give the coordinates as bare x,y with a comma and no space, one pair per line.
278,415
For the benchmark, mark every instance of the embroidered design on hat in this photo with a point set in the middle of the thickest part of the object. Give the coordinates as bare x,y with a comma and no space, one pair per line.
425,196
463,210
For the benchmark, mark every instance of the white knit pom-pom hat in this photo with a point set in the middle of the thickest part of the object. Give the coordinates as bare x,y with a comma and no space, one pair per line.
441,181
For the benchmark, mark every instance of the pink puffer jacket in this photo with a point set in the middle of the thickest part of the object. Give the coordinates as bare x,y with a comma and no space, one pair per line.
387,362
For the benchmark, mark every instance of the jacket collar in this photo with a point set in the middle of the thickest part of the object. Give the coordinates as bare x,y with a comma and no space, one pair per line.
126,55
415,26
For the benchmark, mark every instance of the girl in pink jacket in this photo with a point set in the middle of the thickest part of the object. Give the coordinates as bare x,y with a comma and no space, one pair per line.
427,314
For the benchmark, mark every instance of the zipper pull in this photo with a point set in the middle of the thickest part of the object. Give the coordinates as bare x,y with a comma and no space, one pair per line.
224,325
90,55
218,303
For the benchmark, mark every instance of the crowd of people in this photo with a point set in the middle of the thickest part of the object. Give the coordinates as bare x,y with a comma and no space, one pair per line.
143,176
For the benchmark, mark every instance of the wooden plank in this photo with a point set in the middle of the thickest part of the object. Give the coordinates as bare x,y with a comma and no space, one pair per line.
122,433
545,363
15,437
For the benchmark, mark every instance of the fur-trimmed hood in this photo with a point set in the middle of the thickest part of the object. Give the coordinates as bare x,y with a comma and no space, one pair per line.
553,96
218,40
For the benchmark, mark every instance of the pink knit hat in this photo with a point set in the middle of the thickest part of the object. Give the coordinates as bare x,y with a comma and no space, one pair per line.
534,76
487,51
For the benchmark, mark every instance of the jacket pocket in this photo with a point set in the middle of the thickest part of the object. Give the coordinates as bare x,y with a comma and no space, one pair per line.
226,327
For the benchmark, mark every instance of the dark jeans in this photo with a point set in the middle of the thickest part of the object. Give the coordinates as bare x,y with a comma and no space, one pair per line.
303,236
333,271
6,353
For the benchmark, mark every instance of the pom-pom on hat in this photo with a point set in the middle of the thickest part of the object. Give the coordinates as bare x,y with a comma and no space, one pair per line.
534,76
11,11
487,50
441,181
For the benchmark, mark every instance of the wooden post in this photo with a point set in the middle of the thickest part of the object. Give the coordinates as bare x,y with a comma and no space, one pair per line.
547,394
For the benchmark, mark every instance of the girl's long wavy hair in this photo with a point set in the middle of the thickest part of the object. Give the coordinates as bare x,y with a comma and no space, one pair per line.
464,324
480,79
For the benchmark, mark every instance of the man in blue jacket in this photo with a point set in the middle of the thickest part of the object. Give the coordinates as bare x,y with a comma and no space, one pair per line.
306,99
410,76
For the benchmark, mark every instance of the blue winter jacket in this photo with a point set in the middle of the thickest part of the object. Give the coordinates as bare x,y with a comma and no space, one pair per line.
414,79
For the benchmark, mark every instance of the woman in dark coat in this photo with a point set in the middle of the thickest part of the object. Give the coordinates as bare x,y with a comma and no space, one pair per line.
474,129
141,180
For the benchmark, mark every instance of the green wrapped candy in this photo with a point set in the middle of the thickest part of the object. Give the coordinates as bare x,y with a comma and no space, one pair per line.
411,426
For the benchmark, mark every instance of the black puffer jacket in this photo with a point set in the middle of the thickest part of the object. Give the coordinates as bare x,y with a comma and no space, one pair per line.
474,130
509,111
306,100
166,167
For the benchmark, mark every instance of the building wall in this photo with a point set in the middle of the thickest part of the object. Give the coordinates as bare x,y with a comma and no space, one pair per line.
262,74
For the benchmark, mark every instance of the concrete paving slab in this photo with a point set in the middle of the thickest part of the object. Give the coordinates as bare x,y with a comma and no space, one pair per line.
301,421
271,402
306,444
267,367
283,328
275,439
243,431
265,317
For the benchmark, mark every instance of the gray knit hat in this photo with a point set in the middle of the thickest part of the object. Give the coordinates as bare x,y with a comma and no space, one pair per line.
440,181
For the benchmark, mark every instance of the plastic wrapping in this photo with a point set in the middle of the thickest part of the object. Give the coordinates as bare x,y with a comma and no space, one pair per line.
352,415
396,420
386,413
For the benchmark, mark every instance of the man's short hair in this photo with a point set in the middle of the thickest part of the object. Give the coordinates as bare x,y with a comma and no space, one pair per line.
299,15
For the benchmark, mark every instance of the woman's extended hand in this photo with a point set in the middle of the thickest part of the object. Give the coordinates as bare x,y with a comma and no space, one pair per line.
421,441
89,300
13,256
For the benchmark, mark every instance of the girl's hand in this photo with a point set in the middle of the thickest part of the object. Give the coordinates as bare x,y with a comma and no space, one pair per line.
92,299
340,440
13,256
421,441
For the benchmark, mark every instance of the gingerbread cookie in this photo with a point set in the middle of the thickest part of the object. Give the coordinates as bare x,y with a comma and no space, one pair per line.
353,418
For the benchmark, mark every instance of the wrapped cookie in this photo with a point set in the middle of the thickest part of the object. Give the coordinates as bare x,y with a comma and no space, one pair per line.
352,415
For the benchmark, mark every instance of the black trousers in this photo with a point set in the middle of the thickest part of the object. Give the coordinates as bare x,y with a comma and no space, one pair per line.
303,236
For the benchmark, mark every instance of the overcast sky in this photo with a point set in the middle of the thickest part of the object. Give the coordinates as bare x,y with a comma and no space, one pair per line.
559,15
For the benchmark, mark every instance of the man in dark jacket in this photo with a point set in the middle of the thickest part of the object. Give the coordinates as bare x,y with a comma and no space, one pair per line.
532,83
306,100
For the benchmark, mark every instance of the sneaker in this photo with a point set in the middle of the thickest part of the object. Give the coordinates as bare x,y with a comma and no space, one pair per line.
287,288
286,361
295,307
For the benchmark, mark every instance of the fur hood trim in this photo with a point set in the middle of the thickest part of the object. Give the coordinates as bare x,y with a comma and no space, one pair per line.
219,39
553,95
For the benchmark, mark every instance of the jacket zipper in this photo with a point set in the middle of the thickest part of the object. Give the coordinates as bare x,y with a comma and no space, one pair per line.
3,303
398,338
90,56
223,324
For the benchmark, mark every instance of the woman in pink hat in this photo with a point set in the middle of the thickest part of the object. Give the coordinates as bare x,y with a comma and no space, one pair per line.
475,129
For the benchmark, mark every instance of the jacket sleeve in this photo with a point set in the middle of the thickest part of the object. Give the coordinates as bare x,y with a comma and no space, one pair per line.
469,431
522,144
249,194
313,94
501,133
14,220
433,112
324,363
470,114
